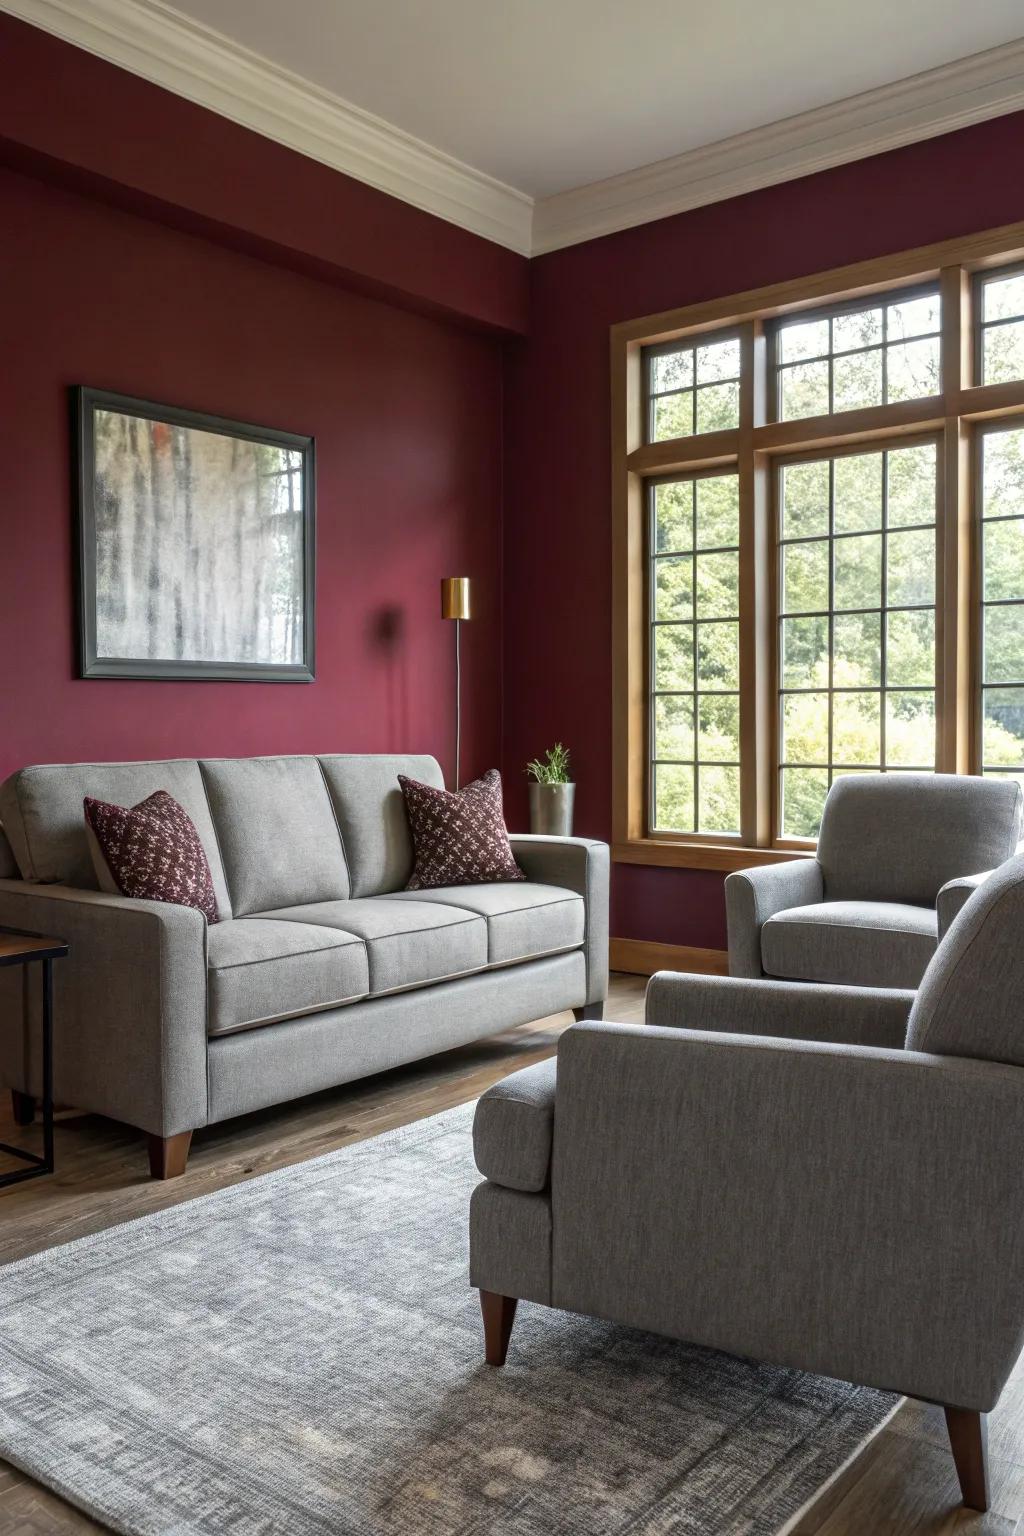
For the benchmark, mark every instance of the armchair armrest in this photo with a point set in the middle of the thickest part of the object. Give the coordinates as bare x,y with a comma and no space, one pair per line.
752,896
512,1128
130,1020
954,895
582,865
812,1205
791,1010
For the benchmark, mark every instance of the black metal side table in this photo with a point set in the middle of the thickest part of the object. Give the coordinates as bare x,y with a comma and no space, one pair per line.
19,948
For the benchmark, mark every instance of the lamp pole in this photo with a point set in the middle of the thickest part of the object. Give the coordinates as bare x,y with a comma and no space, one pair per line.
455,604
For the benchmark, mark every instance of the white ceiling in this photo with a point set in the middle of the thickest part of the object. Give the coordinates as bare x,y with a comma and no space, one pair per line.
547,95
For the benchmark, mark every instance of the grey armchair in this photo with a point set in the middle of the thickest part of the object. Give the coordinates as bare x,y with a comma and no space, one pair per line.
825,1178
897,857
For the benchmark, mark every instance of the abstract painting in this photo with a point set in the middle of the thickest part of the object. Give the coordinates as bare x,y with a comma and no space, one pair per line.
196,544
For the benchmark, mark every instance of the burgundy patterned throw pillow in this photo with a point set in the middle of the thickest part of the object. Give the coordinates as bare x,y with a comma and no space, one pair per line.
459,837
153,852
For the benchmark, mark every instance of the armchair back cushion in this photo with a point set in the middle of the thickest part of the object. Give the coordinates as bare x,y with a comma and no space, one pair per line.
901,836
971,1000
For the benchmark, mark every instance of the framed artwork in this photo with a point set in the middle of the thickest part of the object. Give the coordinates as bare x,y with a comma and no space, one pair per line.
196,544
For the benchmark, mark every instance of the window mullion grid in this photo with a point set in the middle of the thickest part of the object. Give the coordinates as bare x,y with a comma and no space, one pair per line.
694,633
883,618
831,605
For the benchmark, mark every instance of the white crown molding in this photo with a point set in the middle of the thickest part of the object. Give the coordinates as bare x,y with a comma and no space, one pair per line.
162,45
922,106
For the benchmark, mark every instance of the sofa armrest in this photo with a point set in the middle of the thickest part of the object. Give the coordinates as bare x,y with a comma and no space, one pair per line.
752,896
582,865
513,1126
811,1205
790,1010
953,896
130,1006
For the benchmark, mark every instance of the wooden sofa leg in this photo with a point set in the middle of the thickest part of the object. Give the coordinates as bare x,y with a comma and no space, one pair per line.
24,1106
499,1315
968,1439
589,1011
168,1155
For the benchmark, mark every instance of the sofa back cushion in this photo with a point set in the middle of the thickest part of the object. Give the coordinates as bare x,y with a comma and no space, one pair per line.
371,815
901,836
277,830
42,812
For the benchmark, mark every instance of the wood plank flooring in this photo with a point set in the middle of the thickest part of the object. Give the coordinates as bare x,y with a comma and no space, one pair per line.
903,1484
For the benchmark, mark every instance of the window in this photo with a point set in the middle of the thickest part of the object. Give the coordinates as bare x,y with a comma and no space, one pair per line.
694,646
846,358
856,622
818,514
1002,602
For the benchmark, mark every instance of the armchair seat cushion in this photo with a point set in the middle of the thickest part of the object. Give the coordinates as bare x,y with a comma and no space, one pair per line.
525,919
261,972
408,943
851,943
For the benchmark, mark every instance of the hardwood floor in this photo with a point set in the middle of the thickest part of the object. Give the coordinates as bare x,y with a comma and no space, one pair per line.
903,1484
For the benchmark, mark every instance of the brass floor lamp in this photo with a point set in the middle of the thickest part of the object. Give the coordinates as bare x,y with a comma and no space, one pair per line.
455,605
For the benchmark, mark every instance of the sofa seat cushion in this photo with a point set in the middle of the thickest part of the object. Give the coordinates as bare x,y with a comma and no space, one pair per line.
851,943
524,919
408,943
260,972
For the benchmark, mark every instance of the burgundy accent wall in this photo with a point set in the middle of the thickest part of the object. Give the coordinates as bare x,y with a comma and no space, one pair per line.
406,412
557,438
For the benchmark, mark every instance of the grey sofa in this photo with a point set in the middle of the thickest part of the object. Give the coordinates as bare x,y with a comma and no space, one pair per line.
897,857
323,969
826,1178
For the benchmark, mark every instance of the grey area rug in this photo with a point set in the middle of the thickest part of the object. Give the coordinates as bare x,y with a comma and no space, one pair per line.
301,1354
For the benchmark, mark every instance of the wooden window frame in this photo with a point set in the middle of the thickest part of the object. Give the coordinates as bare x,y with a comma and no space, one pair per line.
751,449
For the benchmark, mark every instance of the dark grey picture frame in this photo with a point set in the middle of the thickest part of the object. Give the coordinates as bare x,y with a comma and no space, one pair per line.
84,404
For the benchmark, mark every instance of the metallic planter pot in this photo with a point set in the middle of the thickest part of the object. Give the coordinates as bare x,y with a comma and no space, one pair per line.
551,809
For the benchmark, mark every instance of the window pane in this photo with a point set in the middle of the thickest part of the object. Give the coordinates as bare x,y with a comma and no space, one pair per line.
718,511
852,332
672,370
912,317
1003,492
673,657
719,800
856,728
673,587
805,577
912,567
718,578
804,652
803,390
1003,727
673,416
857,647
718,656
910,730
805,499
673,726
804,728
718,407
910,649
807,338
803,797
913,370
673,798
718,360
858,492
911,485
1003,297
857,381
719,736
1004,353
673,516
858,582
1004,560
1004,645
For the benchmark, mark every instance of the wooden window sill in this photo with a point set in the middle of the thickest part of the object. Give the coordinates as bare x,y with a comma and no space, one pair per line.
672,853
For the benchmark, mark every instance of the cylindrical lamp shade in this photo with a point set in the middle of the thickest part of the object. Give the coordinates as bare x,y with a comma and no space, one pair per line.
455,597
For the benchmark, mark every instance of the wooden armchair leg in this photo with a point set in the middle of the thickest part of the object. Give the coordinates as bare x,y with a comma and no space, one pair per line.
499,1315
168,1155
968,1439
24,1106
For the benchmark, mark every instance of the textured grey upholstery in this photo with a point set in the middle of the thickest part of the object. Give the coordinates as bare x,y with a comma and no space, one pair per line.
582,865
895,841
510,1243
277,830
371,814
852,943
513,1127
787,1009
8,863
953,896
262,971
523,919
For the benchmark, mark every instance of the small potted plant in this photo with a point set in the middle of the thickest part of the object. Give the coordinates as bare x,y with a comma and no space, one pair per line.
551,793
